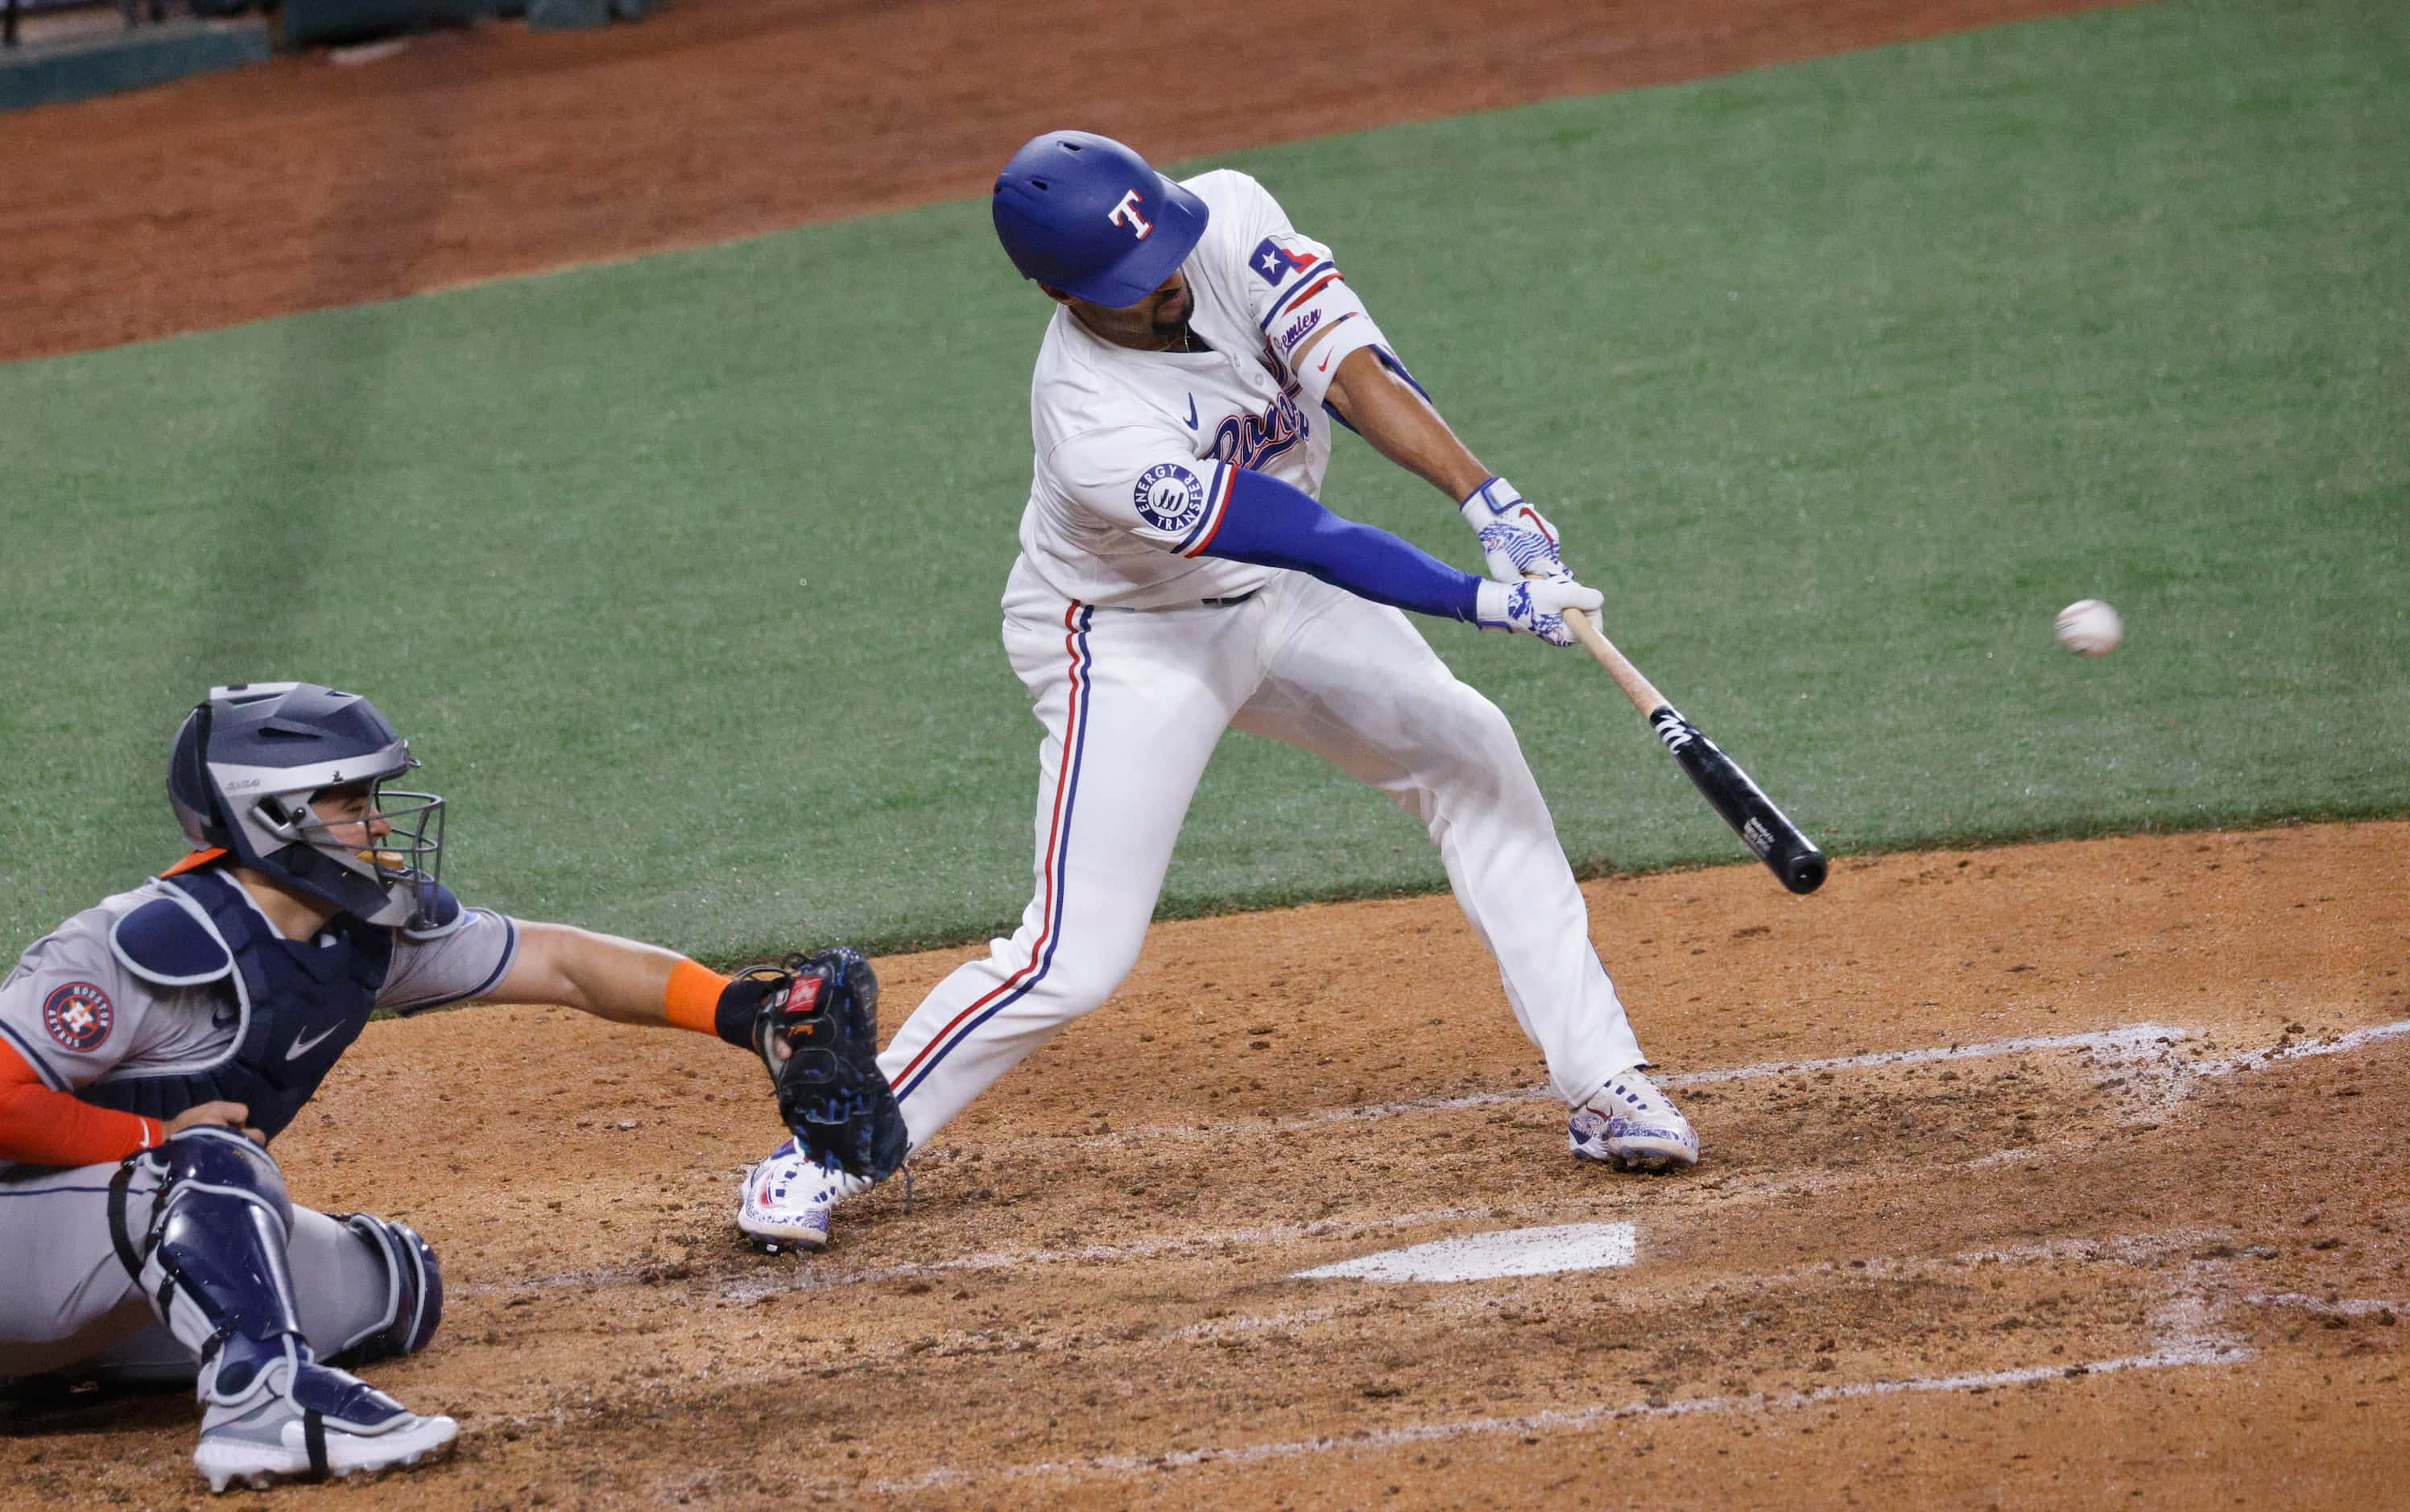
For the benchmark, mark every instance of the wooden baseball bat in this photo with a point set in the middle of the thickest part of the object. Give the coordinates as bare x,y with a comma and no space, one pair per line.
1764,828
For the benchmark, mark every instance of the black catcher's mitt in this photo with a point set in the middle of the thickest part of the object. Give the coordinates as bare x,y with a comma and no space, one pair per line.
814,1020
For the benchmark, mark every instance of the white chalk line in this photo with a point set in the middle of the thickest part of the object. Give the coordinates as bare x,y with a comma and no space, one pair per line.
2016,1154
2125,1039
2175,1082
2338,1307
2182,1327
2130,1040
2336,1046
2186,1352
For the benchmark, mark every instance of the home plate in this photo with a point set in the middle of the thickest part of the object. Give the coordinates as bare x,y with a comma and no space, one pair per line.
1511,1252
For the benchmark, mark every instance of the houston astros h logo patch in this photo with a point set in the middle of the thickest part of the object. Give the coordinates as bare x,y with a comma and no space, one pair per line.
79,1015
1168,497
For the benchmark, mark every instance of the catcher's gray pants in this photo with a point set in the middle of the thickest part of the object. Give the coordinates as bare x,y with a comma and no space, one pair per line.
67,1306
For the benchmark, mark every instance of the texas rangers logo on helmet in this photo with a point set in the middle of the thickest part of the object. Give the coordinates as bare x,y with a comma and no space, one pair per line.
1168,497
1126,213
79,1015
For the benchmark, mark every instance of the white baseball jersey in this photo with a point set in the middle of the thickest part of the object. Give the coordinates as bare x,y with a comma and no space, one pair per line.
1126,492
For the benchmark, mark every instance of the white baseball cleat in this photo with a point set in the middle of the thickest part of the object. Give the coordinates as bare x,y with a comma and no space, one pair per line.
788,1199
310,1420
1629,1123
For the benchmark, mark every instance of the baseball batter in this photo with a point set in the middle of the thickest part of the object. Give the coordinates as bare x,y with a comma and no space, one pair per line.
1178,579
152,1045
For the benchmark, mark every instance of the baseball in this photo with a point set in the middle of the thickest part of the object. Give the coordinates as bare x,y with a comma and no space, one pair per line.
2089,627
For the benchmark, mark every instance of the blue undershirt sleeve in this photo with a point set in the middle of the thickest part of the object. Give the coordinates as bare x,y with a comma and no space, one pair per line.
1271,524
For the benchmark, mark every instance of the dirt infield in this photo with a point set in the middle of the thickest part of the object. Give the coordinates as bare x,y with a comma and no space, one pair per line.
305,184
2036,1176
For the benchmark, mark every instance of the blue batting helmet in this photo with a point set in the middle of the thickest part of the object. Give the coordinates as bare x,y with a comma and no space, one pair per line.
1082,214
247,764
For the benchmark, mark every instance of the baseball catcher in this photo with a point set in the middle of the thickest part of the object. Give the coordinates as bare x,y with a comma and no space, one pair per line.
153,1045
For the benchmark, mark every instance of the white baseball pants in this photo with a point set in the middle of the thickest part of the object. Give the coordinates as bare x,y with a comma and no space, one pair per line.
1133,702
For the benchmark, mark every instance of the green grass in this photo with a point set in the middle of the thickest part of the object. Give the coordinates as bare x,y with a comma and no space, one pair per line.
1841,378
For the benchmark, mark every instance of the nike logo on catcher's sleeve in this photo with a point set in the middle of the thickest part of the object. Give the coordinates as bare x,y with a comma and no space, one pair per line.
304,1047
1192,412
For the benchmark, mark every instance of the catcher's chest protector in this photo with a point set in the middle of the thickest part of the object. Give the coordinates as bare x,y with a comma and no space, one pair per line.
296,1004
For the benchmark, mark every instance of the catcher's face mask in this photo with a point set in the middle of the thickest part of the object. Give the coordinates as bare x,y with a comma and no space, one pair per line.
390,836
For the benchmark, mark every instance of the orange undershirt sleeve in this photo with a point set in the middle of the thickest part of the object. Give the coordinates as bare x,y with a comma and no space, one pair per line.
692,1001
44,1128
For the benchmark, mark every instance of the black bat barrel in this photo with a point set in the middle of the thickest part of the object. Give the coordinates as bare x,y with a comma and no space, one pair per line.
1764,829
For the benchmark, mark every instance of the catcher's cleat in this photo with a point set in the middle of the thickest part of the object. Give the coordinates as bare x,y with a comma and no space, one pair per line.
788,1198
1629,1123
297,1418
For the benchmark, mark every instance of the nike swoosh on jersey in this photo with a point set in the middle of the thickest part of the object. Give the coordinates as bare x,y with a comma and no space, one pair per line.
1192,412
304,1047
1323,366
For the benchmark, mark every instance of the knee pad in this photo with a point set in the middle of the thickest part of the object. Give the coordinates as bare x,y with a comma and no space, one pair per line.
213,1258
213,1159
414,1292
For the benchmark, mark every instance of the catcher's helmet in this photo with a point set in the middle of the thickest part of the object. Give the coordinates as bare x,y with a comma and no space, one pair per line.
248,760
1082,214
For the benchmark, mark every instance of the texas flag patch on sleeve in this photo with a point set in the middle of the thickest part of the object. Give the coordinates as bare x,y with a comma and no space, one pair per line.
1273,262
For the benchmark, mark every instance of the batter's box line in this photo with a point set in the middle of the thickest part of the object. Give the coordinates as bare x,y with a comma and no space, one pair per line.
2124,1040
2175,1355
2130,1041
2324,1307
2175,1082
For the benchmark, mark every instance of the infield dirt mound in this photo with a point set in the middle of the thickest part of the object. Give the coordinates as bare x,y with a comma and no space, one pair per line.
2040,1176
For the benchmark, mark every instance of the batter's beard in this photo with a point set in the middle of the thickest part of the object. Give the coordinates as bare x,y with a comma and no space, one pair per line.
1173,332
